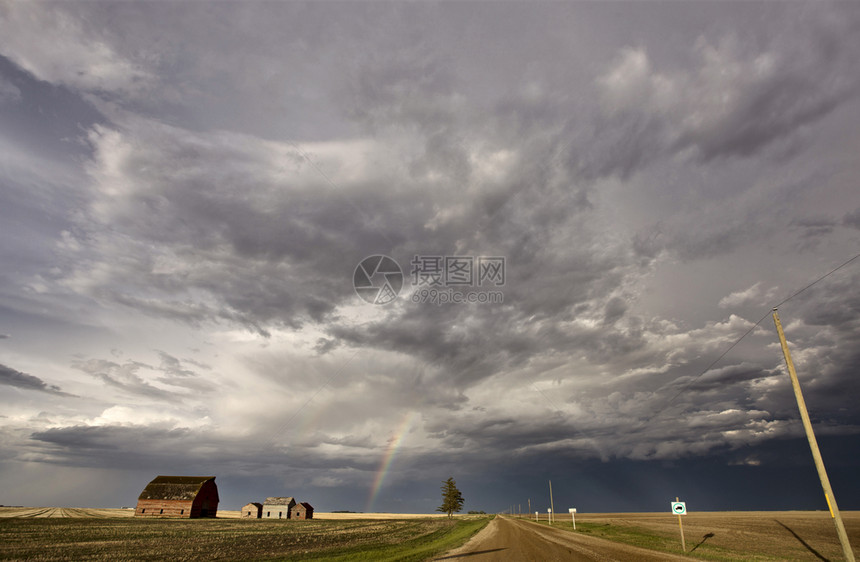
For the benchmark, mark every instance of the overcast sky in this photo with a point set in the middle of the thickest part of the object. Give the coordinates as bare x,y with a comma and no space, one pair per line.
187,189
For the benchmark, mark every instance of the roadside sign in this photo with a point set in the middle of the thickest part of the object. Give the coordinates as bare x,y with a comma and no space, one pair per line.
571,510
679,508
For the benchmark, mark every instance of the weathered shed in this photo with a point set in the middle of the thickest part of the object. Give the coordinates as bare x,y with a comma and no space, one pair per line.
252,510
303,510
278,507
179,496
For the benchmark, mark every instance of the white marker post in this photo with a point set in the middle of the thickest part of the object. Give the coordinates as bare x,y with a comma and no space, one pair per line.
572,511
549,515
536,516
680,508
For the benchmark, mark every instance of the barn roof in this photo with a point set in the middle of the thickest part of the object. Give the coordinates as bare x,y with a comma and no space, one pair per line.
174,487
280,501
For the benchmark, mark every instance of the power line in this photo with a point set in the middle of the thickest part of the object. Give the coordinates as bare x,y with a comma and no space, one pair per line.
754,326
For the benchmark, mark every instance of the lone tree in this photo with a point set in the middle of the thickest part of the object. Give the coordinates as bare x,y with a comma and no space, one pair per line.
452,499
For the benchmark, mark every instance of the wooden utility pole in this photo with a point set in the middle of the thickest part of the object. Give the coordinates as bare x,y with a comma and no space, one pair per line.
551,506
813,444
530,505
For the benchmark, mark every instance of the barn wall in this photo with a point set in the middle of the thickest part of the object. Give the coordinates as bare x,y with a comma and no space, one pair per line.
272,511
206,502
164,508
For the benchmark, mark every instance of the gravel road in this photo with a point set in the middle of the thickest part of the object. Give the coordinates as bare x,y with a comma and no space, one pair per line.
512,540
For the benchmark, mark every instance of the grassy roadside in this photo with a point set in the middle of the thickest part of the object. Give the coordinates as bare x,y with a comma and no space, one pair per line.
416,549
660,542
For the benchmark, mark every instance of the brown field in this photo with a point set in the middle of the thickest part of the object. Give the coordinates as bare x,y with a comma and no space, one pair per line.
222,513
729,535
99,534
752,535
346,516
29,512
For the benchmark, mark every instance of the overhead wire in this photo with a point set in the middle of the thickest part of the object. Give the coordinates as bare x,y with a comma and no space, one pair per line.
745,334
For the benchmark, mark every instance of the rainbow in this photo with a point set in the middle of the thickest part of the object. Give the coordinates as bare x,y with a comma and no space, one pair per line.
388,457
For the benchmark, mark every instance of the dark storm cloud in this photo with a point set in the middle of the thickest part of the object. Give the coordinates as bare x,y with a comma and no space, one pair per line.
11,377
44,117
852,219
9,92
723,378
738,101
158,444
238,168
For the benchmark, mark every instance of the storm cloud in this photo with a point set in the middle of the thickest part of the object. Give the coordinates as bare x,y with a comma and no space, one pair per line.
11,377
184,212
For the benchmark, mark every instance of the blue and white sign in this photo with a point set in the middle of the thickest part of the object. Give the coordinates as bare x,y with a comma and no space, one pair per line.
679,508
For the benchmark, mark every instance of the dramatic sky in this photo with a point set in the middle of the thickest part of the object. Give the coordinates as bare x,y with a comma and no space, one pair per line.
186,190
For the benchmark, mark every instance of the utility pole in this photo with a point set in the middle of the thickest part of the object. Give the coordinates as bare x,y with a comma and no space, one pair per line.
530,505
813,444
551,506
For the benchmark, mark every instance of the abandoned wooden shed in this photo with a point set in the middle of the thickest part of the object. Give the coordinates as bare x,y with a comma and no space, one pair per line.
303,510
278,507
179,496
253,510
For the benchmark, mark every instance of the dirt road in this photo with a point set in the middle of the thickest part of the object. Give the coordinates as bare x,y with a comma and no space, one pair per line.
514,540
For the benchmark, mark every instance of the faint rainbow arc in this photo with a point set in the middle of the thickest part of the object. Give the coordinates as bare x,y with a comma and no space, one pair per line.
388,458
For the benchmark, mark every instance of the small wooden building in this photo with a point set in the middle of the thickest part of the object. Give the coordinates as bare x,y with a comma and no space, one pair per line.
278,507
303,510
252,510
179,496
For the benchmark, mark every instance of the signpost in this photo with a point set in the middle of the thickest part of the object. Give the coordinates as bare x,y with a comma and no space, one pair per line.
680,508
572,511
536,516
551,505
549,515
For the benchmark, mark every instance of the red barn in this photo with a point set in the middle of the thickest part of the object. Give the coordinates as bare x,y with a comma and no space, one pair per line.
179,496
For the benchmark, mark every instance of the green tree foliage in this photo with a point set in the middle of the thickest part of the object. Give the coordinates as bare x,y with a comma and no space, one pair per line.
452,499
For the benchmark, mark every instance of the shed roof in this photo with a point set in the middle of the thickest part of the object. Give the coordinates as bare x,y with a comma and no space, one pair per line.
280,501
175,487
255,504
306,505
